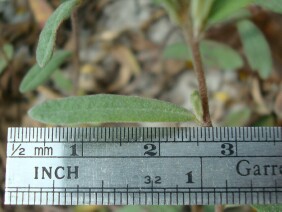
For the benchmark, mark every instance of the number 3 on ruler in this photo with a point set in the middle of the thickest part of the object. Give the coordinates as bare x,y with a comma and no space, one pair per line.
227,149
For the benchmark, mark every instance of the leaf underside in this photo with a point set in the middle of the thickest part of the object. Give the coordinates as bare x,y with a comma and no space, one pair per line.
108,108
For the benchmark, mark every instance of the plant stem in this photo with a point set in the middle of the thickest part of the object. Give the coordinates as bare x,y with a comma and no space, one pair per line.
193,43
76,62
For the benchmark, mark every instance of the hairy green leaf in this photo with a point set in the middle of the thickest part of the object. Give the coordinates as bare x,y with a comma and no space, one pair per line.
197,105
108,108
221,9
36,75
256,48
273,5
6,55
47,36
214,54
200,10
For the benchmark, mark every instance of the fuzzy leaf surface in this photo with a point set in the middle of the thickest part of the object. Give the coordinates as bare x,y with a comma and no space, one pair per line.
108,108
37,76
47,36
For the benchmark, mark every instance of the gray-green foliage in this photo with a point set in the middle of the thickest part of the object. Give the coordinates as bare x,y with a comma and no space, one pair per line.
47,36
214,54
108,108
6,55
221,9
256,48
36,75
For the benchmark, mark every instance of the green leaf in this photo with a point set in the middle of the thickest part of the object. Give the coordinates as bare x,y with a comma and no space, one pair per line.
108,108
256,48
47,36
237,118
273,5
6,55
221,9
200,10
214,54
268,208
219,55
177,51
36,75
197,105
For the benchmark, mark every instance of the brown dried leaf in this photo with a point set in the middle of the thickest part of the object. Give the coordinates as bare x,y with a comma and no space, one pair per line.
122,80
124,55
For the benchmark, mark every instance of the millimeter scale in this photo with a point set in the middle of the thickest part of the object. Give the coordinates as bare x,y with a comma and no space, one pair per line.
144,166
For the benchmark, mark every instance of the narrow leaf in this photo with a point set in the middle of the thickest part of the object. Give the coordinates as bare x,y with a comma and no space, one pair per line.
47,36
108,108
197,105
6,55
36,75
214,54
221,9
256,48
273,5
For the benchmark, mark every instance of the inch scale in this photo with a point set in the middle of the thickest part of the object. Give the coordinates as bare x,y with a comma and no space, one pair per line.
144,166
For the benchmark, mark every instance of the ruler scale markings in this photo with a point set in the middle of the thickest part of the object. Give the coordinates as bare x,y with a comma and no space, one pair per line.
250,137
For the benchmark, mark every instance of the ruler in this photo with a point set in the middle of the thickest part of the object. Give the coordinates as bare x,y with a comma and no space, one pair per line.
147,166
